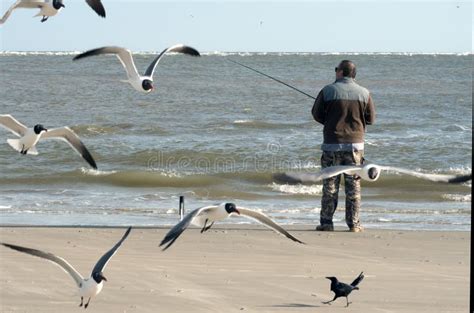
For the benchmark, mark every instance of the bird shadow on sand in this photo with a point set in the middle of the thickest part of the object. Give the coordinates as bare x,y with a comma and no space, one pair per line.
294,305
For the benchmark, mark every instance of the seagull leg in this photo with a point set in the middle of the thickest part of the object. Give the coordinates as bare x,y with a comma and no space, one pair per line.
82,301
208,227
87,304
44,19
204,227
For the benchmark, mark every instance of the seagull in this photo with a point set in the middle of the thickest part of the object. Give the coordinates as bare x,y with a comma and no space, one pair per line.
88,287
370,172
206,216
49,8
141,83
343,290
29,137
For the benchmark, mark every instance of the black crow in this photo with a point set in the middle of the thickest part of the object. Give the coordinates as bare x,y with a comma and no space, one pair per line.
342,289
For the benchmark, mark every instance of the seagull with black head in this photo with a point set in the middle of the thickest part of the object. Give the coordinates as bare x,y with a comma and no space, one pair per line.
29,137
88,287
206,216
142,83
49,8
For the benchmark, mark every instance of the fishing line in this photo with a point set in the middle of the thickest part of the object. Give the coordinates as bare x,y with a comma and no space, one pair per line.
275,79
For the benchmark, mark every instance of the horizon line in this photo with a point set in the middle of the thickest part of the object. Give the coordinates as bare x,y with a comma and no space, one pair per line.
217,52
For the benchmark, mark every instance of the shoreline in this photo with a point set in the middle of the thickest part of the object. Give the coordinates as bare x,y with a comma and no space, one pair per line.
237,269
231,226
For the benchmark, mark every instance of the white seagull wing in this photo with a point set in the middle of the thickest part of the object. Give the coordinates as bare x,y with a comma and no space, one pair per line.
179,228
26,4
265,220
67,135
102,263
10,123
124,55
176,48
300,178
9,11
50,257
97,6
444,178
31,4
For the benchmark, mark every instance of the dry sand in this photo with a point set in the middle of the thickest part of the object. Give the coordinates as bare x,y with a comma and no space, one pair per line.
239,269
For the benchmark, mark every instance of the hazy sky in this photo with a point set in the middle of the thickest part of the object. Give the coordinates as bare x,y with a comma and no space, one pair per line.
292,26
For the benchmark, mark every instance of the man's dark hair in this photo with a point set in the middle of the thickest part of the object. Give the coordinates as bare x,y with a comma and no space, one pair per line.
348,68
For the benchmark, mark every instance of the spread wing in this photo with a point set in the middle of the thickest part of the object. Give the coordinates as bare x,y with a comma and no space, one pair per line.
10,123
179,228
9,11
432,177
176,48
265,220
102,263
124,55
31,4
66,134
50,257
301,178
97,6
27,4
358,279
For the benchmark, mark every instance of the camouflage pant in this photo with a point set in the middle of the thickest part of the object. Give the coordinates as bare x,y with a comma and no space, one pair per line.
331,187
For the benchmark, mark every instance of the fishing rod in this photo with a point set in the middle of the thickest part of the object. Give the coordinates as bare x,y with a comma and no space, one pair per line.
275,79
181,208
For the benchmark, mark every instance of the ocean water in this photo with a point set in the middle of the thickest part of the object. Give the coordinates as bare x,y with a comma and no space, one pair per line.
215,132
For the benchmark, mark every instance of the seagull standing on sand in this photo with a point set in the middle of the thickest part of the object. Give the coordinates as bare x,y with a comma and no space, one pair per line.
30,137
141,83
370,172
206,216
88,287
49,8
341,289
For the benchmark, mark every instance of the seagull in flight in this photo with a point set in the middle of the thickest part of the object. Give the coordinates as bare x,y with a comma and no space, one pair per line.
88,287
49,8
206,216
369,172
140,83
29,137
341,289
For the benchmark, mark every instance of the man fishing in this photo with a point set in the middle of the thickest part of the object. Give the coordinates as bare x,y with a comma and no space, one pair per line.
344,108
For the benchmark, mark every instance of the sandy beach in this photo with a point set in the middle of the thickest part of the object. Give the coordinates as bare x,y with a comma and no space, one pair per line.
239,269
